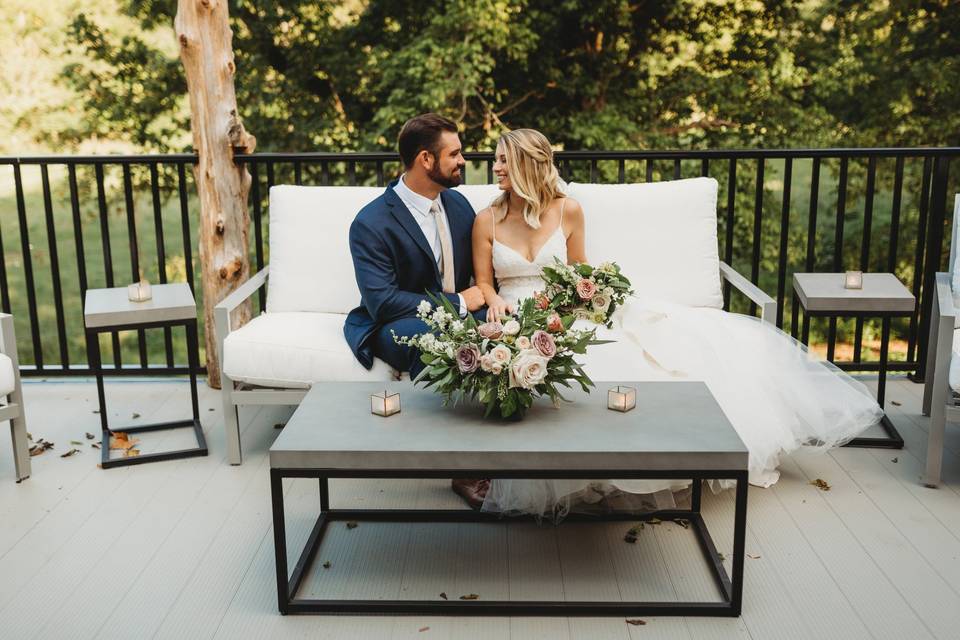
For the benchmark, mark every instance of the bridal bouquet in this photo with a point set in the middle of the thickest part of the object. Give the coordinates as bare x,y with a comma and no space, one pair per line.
592,293
502,365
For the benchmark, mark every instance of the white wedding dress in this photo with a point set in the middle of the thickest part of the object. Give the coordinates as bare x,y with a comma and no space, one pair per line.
776,394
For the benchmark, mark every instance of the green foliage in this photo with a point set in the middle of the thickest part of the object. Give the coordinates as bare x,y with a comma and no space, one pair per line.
590,74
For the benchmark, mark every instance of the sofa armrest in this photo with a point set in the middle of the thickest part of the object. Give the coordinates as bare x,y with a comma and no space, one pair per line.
221,312
768,306
9,348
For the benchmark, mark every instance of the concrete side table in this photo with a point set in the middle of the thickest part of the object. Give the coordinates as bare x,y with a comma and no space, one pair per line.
882,296
107,310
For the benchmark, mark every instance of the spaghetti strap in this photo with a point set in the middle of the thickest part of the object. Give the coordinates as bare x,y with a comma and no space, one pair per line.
493,222
563,204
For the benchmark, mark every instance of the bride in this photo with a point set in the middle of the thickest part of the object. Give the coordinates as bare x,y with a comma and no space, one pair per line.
778,399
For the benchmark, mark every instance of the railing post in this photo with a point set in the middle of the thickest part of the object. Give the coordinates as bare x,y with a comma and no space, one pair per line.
933,257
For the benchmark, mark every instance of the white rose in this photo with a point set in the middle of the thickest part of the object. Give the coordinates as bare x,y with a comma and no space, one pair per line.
528,369
523,342
600,302
424,308
511,328
496,368
500,353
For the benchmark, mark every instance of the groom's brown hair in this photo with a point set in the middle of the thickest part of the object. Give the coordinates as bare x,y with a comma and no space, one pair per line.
422,132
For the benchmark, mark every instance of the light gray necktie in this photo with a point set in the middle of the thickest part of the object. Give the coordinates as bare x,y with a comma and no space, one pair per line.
446,248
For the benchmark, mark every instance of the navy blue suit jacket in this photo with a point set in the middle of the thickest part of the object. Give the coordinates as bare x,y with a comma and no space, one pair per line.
394,264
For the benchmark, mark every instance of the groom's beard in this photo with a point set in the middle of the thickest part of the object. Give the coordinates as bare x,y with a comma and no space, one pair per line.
446,181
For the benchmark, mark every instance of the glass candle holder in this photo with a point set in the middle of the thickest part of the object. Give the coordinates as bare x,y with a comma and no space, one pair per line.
853,280
621,399
383,403
139,291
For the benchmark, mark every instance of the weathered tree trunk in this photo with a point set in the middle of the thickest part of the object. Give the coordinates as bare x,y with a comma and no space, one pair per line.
203,30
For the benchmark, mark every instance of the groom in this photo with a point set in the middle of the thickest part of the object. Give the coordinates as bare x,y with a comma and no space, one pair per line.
414,239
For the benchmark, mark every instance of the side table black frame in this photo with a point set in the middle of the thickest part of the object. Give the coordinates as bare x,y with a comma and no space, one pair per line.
730,589
893,440
193,357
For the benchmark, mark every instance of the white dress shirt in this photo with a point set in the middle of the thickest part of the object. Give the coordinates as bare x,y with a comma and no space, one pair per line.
419,206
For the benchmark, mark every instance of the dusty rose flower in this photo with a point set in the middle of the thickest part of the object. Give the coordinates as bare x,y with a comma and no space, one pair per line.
554,323
511,328
490,330
468,358
501,354
544,343
528,369
523,342
586,289
542,300
496,368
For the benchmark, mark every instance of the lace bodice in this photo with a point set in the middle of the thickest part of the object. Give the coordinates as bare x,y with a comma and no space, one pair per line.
519,278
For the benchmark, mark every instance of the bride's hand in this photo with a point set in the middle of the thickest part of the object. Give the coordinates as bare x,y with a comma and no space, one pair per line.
497,308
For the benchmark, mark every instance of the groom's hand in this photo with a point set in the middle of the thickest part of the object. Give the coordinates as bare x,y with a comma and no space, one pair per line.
473,298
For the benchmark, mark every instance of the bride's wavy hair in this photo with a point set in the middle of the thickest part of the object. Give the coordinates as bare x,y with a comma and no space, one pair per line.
533,176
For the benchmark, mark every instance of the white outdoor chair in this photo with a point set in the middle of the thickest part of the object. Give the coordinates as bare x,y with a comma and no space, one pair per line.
940,393
11,390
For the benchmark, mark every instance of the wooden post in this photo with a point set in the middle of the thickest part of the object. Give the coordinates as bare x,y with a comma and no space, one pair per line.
205,38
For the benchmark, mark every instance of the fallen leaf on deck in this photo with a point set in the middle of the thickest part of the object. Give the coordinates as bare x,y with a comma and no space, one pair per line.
95,445
131,453
630,537
352,525
29,436
327,565
821,484
89,436
470,596
280,425
682,522
41,446
120,440
753,557
96,411
895,403
895,460
69,453
422,629
722,557
443,594
654,521
135,415
76,442
636,622
210,409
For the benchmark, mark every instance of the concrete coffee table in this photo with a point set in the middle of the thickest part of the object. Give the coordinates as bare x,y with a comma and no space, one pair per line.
676,431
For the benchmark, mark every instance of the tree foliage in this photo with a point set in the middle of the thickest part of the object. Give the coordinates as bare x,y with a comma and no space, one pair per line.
589,73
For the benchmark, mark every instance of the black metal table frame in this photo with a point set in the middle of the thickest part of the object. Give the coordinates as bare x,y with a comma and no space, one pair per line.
193,357
287,588
893,440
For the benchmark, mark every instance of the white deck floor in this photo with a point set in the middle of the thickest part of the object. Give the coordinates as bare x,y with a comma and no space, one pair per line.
184,549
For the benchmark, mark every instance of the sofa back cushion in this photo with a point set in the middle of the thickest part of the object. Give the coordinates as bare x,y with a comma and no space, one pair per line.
663,235
310,264
479,195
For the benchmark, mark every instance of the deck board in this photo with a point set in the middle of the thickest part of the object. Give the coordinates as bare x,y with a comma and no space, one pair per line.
185,548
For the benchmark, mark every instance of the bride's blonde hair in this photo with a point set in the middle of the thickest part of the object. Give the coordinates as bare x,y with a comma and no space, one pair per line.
532,173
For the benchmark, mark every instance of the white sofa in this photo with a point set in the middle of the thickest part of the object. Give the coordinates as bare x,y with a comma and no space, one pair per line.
12,392
942,375
663,234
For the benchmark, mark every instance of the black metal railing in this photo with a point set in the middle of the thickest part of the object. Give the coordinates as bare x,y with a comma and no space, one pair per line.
107,219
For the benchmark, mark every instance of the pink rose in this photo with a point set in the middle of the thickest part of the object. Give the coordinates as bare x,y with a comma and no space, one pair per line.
554,323
586,288
523,342
542,299
490,330
543,342
468,358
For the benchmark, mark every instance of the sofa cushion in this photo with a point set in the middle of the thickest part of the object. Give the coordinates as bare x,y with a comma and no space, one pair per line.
479,195
663,234
310,264
294,350
6,374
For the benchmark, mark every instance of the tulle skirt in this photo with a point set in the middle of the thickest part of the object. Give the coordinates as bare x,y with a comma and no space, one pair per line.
776,394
